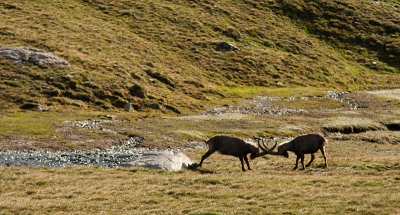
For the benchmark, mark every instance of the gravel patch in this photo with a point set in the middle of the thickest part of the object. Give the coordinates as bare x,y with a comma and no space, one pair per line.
110,157
261,105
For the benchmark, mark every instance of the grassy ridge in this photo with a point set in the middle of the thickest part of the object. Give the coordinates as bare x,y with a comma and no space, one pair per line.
167,50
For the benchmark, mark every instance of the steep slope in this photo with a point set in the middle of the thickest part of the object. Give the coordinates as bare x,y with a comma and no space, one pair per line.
164,55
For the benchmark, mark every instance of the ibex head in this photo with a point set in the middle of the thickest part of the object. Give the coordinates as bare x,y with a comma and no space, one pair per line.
283,149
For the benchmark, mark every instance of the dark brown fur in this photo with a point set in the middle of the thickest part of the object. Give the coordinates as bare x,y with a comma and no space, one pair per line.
230,146
301,145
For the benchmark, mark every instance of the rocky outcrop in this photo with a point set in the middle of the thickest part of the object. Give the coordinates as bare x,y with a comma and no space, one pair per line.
32,55
225,46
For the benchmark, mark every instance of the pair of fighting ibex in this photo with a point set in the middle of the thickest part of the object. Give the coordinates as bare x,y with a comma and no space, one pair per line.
301,145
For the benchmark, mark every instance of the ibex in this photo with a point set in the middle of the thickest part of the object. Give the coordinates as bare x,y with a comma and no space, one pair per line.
231,146
301,145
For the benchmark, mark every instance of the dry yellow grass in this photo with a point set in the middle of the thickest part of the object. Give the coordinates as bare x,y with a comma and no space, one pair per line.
168,48
362,178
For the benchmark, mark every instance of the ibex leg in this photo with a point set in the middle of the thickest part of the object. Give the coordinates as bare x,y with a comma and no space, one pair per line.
241,161
323,154
297,161
302,161
206,155
312,159
247,162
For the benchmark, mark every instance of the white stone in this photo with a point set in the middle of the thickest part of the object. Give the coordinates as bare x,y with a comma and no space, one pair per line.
168,160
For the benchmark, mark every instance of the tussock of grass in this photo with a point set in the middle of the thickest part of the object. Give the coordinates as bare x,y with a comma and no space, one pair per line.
169,50
351,129
379,137
352,125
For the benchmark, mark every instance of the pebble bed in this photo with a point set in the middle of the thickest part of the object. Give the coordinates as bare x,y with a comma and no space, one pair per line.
110,157
261,105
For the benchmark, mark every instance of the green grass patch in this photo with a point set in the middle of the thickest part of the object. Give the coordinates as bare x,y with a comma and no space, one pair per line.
28,124
250,92
352,70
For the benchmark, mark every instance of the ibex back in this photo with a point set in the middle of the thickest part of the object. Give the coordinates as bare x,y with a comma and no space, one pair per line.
301,145
230,146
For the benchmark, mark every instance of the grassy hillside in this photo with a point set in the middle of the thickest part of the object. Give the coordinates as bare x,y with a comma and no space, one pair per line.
162,56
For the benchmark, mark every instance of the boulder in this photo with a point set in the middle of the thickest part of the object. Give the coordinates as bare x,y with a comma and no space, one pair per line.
128,107
31,55
225,46
167,160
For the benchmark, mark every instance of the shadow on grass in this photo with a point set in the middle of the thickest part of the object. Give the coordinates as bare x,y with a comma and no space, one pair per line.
195,168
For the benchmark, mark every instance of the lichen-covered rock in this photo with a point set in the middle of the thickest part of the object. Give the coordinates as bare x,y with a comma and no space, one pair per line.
32,55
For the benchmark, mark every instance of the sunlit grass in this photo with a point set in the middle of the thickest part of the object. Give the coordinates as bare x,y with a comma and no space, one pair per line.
111,45
222,188
362,176
251,92
311,104
28,124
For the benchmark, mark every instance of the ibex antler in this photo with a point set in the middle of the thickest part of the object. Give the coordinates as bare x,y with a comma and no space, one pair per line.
265,147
